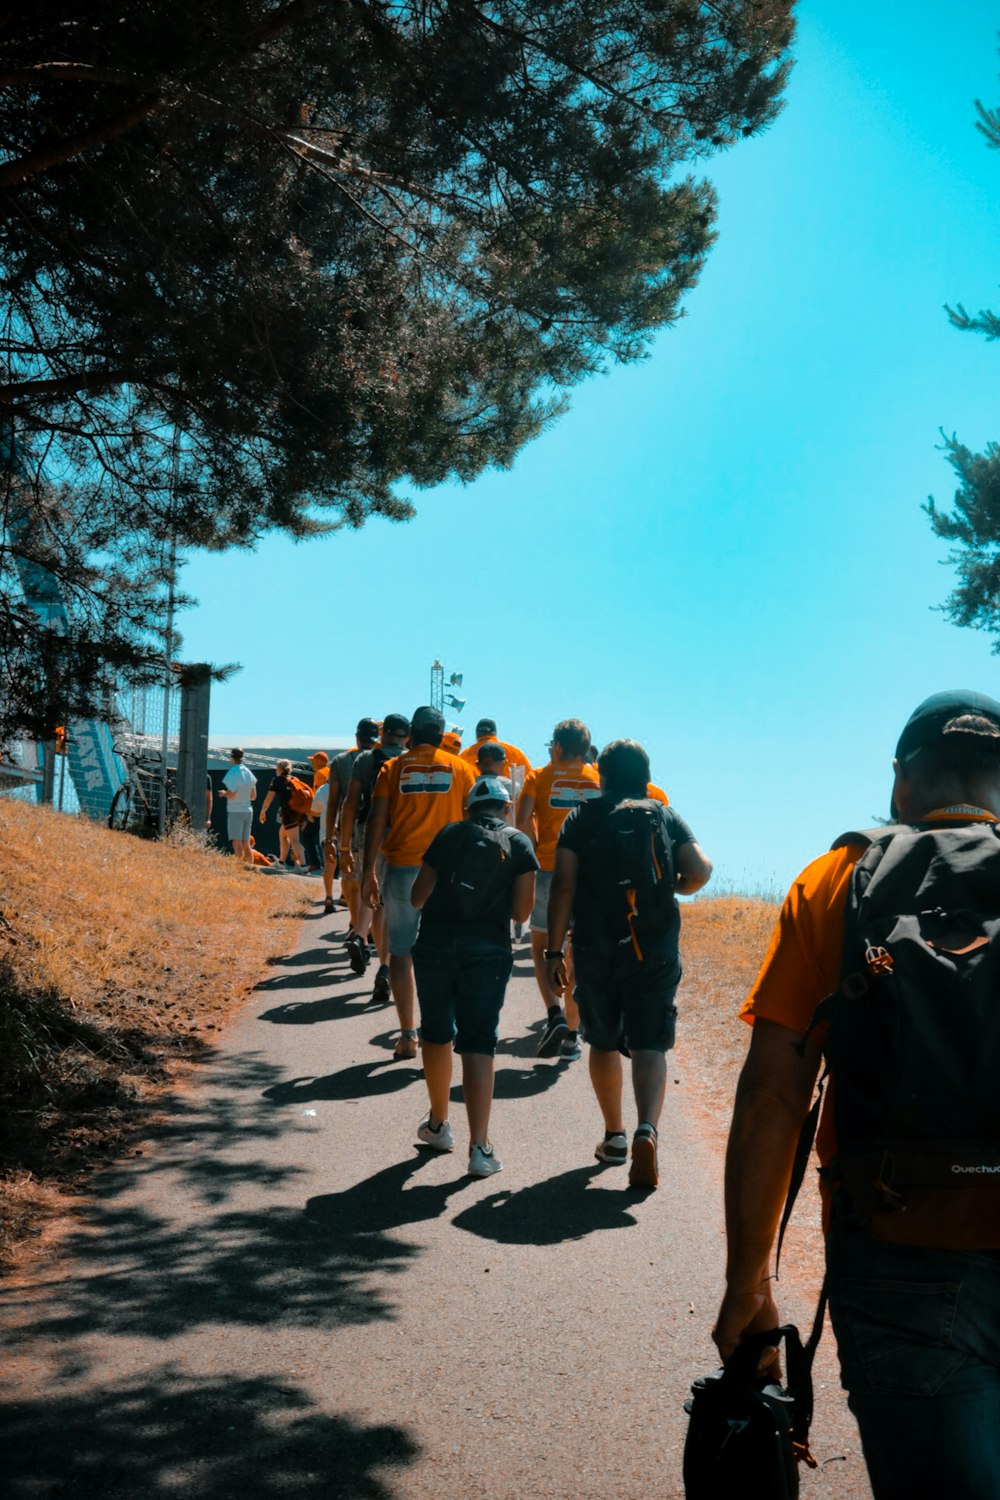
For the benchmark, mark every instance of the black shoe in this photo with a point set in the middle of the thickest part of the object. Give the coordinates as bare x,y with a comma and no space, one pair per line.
328,907
381,994
551,1038
357,954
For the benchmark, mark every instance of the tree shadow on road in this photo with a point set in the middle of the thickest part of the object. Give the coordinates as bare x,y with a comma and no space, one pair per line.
169,1434
362,1081
209,1242
547,1213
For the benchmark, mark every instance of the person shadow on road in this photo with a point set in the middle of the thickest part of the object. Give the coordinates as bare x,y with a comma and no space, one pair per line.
547,1213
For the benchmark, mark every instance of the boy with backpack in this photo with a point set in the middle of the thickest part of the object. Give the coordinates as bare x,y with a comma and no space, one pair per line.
886,959
620,860
475,877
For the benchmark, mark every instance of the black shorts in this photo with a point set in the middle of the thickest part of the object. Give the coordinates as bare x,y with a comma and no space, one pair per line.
621,998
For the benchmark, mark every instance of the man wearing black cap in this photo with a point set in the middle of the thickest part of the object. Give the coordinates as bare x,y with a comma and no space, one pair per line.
915,1306
516,764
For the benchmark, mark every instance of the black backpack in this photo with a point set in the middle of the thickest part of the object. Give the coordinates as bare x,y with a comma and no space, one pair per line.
914,1037
380,755
482,871
746,1433
637,868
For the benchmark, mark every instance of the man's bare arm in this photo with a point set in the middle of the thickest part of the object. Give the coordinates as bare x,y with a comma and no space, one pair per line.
375,828
772,1100
561,894
523,896
423,886
347,819
526,818
694,868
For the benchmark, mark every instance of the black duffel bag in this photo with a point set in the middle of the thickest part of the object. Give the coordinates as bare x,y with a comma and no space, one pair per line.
747,1433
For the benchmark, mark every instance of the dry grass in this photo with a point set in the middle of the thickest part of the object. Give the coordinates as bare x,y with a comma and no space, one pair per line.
723,940
119,958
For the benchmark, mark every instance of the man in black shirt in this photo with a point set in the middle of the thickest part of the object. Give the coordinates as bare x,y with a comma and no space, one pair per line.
476,877
619,860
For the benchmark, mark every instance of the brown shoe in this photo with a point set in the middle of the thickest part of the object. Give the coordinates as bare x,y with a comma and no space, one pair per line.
405,1049
643,1172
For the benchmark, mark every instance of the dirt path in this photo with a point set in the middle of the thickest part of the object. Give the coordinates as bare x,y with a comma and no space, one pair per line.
281,1296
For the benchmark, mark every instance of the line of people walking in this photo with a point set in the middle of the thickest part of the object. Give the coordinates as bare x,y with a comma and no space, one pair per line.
440,854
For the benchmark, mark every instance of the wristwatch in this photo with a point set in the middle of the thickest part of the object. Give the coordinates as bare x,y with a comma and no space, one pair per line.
553,953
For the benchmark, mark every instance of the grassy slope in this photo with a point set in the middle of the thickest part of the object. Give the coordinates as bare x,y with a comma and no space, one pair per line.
118,960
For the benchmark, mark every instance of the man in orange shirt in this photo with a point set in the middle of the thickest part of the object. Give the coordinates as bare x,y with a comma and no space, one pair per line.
416,795
516,764
920,1363
548,797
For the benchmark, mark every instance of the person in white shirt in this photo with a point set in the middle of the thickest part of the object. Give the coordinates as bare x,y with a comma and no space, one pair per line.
239,787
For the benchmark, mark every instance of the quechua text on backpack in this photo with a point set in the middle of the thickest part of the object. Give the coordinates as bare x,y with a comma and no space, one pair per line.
913,1045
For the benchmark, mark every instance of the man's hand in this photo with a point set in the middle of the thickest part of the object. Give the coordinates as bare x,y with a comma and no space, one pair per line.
263,817
555,973
742,1313
346,862
370,891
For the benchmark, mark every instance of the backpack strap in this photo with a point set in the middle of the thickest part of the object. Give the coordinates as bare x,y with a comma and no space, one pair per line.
863,836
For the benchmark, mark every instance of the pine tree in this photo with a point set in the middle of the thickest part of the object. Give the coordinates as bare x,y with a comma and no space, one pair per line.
974,522
341,247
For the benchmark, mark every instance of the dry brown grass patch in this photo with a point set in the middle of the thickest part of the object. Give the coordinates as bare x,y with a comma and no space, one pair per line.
118,959
723,940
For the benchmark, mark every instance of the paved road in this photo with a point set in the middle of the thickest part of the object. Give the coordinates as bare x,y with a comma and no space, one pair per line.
283,1296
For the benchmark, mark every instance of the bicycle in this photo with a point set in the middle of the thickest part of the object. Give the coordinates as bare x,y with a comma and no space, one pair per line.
135,806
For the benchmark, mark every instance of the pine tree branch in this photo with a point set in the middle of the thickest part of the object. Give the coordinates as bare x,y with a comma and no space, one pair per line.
22,168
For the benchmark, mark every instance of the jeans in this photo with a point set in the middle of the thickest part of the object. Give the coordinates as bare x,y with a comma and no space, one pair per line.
918,1336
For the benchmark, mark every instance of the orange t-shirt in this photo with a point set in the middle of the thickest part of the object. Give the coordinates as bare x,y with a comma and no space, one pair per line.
557,789
657,794
512,755
425,788
320,774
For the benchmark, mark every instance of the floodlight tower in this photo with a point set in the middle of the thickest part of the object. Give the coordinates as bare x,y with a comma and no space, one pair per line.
438,697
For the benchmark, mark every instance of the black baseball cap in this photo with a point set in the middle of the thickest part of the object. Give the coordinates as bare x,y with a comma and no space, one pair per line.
491,751
395,724
426,717
927,723
367,729
486,726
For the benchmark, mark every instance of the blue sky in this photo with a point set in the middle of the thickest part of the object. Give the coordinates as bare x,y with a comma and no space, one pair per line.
719,551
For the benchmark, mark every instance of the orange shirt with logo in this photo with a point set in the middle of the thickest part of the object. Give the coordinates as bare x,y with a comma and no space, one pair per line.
557,789
425,788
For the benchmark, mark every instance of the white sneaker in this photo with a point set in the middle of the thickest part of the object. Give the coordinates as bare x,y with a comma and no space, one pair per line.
438,1137
483,1161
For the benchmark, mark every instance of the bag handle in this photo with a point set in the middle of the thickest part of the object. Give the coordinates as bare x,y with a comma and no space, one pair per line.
742,1365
